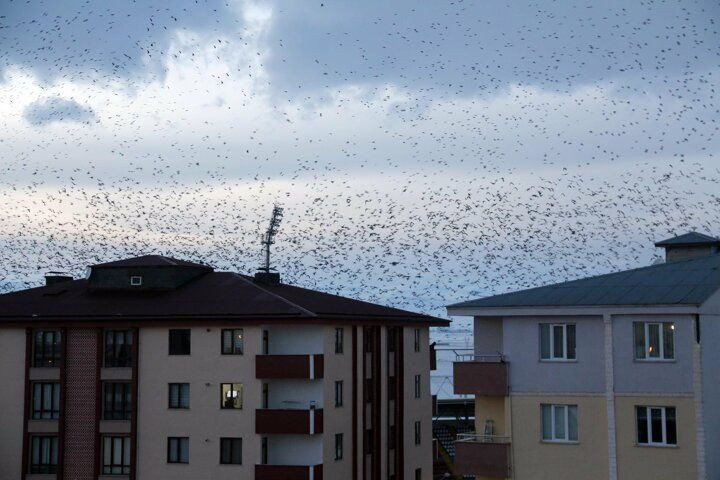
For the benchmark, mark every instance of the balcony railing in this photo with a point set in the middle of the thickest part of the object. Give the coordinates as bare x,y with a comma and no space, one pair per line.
480,374
288,421
482,455
289,366
288,472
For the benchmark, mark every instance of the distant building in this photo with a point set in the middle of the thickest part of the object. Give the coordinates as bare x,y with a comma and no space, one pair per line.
609,377
154,368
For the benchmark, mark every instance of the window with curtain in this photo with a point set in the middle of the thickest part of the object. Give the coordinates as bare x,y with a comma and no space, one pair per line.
557,341
231,395
654,341
232,341
178,395
45,401
116,455
117,404
46,348
118,348
559,423
339,340
656,425
338,446
178,450
231,451
43,454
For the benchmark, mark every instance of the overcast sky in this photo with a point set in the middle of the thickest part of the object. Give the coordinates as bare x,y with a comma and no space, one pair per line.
426,152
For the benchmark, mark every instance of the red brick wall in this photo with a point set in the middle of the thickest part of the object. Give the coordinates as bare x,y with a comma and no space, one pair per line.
80,406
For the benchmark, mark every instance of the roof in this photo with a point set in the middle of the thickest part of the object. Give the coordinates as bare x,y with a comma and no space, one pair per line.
150,261
213,295
687,282
689,239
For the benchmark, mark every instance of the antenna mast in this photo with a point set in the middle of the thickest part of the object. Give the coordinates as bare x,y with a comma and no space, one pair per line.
269,236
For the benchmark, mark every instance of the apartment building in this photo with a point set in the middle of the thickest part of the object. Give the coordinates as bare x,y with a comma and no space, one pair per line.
608,377
153,368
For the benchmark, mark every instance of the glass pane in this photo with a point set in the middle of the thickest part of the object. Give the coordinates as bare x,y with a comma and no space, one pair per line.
653,340
544,340
572,423
639,328
126,451
227,341
236,450
669,340
642,424
53,450
172,450
656,426
117,450
56,400
185,395
558,342
36,451
238,336
184,450
559,424
107,451
670,426
225,450
546,422
227,396
570,341
37,400
174,394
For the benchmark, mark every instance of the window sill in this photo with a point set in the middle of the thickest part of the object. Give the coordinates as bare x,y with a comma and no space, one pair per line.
561,442
659,360
655,445
558,360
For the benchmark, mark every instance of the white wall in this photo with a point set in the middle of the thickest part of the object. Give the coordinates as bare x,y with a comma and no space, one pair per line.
295,393
295,449
295,339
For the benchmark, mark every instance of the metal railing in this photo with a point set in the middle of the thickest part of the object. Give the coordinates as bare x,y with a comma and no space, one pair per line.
479,438
490,357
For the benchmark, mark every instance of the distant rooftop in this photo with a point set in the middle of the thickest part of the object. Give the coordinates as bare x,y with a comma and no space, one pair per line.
151,261
689,239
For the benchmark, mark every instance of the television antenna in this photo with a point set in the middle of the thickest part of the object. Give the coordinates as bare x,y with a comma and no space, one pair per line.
269,237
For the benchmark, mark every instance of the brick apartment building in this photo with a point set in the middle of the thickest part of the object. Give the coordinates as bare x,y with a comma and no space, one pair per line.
153,368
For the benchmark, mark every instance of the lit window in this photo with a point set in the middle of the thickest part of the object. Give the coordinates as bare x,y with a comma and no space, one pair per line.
656,425
232,341
231,395
136,280
654,341
559,423
557,341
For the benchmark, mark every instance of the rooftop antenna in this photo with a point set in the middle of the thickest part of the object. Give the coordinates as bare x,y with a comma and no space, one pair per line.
269,237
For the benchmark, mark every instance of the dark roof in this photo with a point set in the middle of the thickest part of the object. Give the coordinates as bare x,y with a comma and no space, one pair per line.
150,261
212,295
687,282
689,239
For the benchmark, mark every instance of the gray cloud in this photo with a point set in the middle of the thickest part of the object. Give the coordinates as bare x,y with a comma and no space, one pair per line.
56,109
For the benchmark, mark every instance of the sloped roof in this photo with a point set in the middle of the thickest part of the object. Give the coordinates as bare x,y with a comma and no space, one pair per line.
688,239
151,261
688,282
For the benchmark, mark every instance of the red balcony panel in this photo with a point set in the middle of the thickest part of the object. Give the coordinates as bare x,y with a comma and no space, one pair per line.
288,472
480,378
288,366
485,459
287,421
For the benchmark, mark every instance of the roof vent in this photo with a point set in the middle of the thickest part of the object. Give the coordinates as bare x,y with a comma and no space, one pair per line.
267,278
52,278
688,246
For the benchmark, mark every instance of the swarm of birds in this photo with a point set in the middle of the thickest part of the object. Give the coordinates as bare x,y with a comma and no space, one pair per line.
424,152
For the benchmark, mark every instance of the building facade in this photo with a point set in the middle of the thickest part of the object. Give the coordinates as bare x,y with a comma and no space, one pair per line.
610,377
154,368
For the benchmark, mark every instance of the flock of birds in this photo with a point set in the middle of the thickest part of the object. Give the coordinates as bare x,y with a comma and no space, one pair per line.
410,175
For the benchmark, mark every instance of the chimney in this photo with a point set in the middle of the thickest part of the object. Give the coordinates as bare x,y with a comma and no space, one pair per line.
52,278
688,246
267,278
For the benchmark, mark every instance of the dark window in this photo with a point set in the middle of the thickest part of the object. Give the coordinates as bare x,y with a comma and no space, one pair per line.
368,341
338,340
46,401
136,280
118,402
266,342
367,441
418,474
231,395
656,425
232,341
338,446
179,342
264,451
391,339
265,393
557,341
392,388
178,395
116,456
338,393
417,340
368,390
178,450
417,386
118,348
231,451
417,433
46,349
44,454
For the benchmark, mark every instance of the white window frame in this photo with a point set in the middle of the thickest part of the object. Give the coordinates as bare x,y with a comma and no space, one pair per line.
136,280
648,421
551,335
661,342
553,438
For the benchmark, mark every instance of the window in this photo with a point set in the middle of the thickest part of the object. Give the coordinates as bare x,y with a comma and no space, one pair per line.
417,433
136,280
265,395
118,348
178,450
179,342
266,342
178,395
367,441
231,395
117,404
418,474
338,446
391,339
559,423
232,341
116,456
557,341
338,393
44,454
417,340
231,451
654,341
338,340
263,451
656,426
46,349
417,386
46,401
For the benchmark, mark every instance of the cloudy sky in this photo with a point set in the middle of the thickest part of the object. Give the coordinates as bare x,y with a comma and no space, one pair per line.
425,152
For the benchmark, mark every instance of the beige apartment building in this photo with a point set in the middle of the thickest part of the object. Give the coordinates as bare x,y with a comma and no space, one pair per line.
608,377
153,368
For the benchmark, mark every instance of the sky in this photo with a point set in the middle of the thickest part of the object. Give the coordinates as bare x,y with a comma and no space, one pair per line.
424,152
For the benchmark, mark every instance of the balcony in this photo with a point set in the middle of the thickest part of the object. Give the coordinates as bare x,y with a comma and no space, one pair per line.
482,455
289,366
288,421
288,472
480,375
